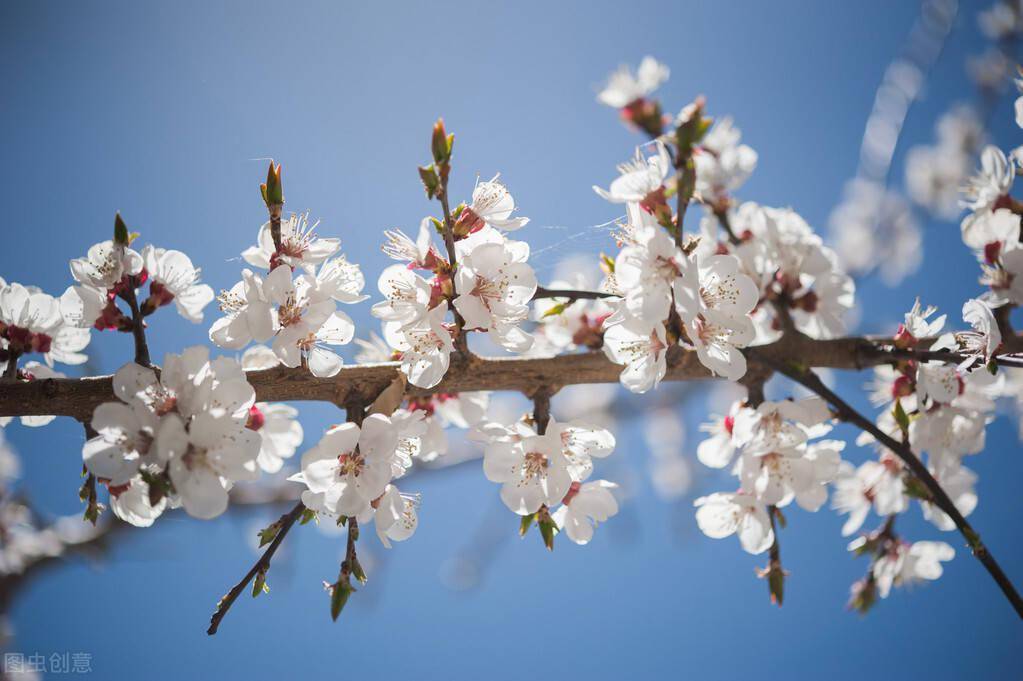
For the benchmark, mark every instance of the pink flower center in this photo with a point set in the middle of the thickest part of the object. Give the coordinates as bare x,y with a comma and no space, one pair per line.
351,463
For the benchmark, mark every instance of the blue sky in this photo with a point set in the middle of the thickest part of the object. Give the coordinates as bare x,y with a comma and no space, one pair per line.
164,111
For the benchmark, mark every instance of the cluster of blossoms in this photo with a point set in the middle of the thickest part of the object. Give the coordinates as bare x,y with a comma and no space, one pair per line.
544,474
716,295
112,271
489,289
669,294
31,322
294,305
770,451
775,276
177,439
797,276
941,409
349,473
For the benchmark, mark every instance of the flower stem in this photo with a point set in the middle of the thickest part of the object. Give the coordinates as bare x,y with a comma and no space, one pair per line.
461,341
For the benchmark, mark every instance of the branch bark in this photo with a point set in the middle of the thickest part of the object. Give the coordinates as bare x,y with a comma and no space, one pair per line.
77,397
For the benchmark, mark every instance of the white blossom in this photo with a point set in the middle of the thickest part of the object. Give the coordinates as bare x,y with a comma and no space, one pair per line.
172,277
721,515
624,87
907,564
534,472
408,296
425,347
639,177
992,181
492,206
722,164
248,314
280,433
641,349
494,286
350,467
395,516
301,247
585,505
875,484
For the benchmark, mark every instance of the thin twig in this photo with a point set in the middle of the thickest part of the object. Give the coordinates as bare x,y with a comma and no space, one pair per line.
808,379
262,565
461,340
138,326
570,294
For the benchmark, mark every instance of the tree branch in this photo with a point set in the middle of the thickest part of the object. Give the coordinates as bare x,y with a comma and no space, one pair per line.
571,294
262,565
77,397
845,412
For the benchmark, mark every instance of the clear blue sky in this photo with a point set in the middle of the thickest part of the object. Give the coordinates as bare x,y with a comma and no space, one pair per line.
160,110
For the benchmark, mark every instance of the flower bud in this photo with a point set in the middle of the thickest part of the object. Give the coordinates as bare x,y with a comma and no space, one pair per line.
692,126
121,235
548,528
441,143
273,189
339,594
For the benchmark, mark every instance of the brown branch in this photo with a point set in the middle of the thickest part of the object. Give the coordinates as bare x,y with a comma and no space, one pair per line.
571,294
542,409
262,565
846,412
77,397
138,326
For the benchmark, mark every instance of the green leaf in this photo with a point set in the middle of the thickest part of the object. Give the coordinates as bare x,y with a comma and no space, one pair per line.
269,533
307,516
357,571
547,530
901,417
526,523
259,585
555,310
431,181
